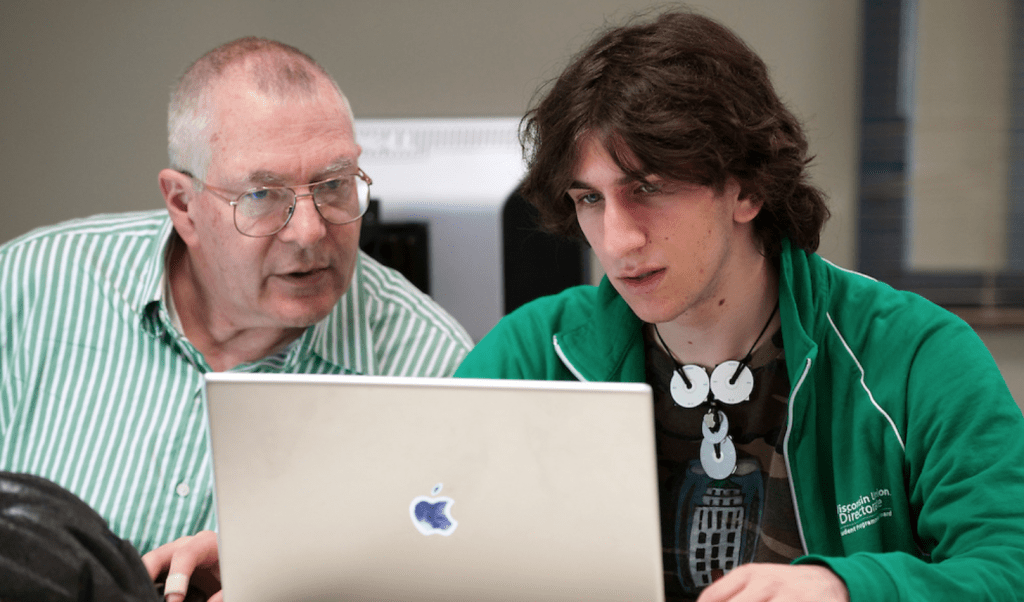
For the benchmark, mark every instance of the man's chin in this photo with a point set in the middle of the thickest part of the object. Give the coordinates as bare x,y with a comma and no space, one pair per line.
303,315
302,320
652,313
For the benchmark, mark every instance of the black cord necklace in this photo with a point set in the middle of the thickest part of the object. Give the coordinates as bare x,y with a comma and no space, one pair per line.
731,382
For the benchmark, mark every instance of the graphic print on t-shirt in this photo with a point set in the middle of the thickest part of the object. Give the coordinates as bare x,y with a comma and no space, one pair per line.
710,524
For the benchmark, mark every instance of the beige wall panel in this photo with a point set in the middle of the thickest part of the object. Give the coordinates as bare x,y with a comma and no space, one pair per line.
85,84
961,137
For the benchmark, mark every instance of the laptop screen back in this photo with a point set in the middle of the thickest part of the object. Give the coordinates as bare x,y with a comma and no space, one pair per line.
372,488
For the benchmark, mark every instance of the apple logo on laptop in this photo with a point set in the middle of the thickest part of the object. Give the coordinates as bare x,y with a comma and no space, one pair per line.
431,514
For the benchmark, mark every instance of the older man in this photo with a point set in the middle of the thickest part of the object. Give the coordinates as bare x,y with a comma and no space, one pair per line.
109,323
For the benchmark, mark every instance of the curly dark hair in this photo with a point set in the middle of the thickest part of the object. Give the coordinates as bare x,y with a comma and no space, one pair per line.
684,98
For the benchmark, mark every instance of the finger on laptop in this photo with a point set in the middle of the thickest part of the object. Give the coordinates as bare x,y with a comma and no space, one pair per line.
187,559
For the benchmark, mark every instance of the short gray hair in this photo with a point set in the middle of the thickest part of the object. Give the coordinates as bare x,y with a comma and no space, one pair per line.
273,68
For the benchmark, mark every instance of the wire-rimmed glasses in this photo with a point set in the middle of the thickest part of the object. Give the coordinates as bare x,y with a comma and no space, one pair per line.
266,210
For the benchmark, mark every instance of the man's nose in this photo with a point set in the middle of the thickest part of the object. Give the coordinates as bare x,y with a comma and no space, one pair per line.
306,225
624,232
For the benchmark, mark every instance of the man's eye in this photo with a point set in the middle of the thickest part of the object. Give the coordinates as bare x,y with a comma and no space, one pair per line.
333,185
258,195
588,198
333,192
268,196
648,188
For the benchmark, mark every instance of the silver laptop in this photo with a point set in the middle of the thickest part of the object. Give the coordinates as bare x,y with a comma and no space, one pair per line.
417,489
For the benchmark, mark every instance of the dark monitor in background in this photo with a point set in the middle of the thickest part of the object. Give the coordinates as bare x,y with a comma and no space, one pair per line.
404,246
536,263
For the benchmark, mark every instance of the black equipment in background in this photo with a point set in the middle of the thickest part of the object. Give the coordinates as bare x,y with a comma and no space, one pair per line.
403,246
536,263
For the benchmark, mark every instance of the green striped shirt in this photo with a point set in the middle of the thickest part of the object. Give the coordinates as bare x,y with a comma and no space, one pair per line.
101,394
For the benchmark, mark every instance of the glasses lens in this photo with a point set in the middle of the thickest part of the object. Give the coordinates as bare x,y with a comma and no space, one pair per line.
342,200
263,211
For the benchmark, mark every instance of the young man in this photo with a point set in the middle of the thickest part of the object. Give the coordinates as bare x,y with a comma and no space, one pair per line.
108,324
821,436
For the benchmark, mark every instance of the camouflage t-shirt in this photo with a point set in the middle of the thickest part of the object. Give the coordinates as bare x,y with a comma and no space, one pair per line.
710,526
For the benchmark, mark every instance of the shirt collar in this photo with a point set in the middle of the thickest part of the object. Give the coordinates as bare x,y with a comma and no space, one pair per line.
319,339
149,290
344,338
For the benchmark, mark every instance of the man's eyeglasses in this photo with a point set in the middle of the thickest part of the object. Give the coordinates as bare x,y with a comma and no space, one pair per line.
266,210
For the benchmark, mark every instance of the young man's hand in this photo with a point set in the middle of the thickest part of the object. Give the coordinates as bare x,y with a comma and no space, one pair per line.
763,582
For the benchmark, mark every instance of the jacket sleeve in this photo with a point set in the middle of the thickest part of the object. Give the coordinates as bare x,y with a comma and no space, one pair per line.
520,347
964,471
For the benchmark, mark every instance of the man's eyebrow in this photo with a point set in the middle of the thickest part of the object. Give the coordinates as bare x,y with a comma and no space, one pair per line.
624,179
262,177
335,168
265,178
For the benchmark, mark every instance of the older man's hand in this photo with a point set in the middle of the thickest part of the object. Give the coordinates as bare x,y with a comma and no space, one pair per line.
759,582
191,560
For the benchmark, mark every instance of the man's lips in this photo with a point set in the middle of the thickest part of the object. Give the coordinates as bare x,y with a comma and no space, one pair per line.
304,274
639,277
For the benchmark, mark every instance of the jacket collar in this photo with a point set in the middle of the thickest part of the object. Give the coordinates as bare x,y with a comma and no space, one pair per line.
607,345
803,298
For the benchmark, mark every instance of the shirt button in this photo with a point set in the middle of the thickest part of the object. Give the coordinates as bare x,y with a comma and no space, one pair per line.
182,489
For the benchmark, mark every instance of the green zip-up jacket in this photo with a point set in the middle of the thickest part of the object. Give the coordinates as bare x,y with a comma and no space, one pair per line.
904,446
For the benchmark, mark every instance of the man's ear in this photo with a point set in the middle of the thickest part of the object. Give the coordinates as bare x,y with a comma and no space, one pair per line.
747,209
747,206
179,192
